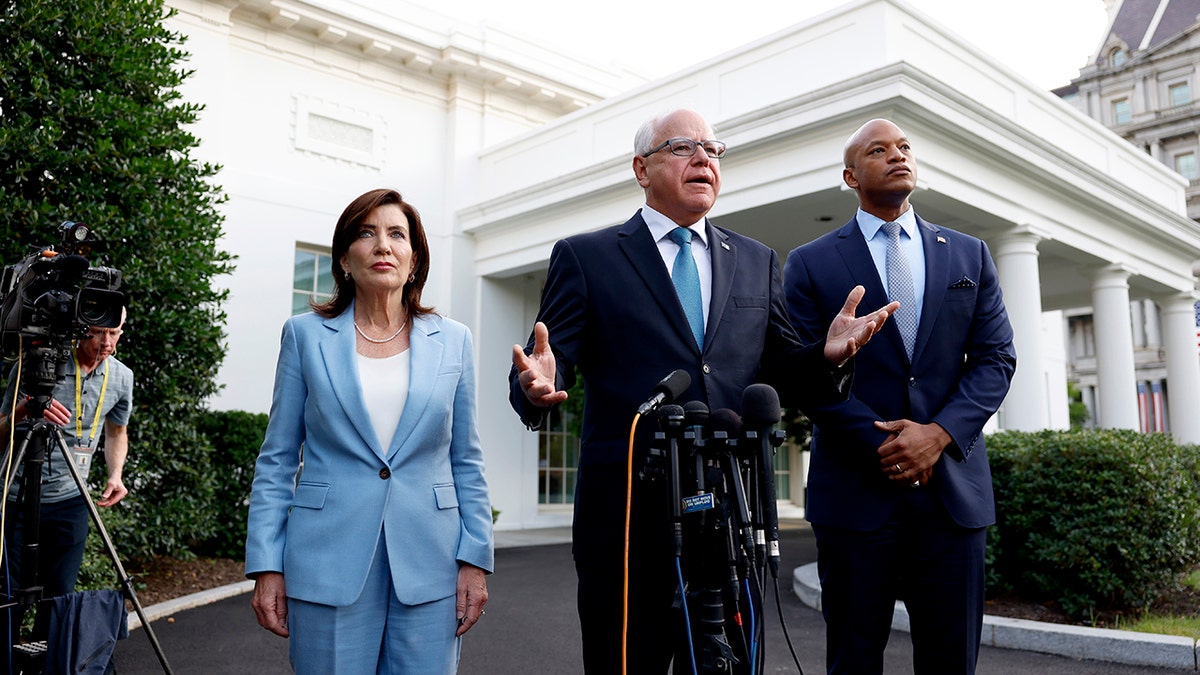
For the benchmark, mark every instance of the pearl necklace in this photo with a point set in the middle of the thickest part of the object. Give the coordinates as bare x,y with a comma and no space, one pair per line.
379,342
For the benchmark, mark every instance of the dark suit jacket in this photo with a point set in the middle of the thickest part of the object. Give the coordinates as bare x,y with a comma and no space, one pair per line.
962,364
611,310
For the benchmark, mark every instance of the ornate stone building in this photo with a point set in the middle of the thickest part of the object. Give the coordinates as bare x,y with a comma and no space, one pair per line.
1142,84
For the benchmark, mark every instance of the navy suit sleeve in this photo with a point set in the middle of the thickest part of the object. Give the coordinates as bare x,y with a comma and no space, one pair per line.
795,364
564,311
989,361
810,314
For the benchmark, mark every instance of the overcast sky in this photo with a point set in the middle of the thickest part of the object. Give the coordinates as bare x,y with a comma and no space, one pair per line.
1047,41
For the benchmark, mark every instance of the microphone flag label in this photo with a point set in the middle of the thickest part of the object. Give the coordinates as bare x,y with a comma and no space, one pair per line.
702,502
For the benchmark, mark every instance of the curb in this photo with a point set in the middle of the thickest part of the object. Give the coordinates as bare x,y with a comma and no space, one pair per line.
1078,642
172,607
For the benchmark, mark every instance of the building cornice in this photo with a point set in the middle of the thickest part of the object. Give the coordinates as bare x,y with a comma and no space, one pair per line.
488,56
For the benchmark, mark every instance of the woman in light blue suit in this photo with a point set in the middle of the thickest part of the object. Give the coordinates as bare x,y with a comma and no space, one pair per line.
371,553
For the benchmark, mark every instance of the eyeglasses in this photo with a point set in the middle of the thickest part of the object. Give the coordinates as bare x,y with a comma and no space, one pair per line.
686,147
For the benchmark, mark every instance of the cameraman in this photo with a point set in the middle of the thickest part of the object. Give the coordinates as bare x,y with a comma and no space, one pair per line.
97,386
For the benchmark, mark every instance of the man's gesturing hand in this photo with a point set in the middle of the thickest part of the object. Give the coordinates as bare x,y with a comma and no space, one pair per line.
536,372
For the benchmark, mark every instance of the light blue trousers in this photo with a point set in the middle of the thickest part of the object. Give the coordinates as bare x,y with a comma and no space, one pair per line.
377,634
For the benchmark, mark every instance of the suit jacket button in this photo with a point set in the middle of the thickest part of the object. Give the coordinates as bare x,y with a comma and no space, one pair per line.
706,369
385,473
912,381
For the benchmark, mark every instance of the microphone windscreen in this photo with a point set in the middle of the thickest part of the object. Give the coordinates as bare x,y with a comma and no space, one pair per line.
696,413
724,419
760,406
671,410
674,384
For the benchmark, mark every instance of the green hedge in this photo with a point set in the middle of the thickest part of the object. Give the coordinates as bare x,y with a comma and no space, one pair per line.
1092,520
235,437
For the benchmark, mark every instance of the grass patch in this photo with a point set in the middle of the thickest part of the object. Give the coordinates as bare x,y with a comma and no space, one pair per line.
1193,580
1185,626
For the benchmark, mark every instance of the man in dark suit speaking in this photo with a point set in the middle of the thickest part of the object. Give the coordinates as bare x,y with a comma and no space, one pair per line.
625,307
899,489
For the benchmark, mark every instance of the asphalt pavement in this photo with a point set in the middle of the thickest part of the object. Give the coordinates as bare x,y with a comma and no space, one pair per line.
531,627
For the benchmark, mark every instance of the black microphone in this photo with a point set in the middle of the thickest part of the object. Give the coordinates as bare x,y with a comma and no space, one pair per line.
695,415
667,390
671,420
760,412
726,424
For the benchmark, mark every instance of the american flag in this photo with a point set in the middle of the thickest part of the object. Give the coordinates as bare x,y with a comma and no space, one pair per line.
1144,412
1156,401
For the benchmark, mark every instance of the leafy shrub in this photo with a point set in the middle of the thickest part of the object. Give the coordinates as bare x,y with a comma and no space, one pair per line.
236,437
1095,520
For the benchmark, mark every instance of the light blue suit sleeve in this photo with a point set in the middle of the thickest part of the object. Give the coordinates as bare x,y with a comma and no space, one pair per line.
278,462
466,457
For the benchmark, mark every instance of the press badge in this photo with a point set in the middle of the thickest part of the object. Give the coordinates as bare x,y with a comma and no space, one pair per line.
82,456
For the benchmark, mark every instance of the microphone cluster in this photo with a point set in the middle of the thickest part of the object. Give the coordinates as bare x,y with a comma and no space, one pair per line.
720,460
719,467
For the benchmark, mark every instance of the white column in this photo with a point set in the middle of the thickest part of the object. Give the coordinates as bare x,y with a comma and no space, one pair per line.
1137,316
1114,349
1054,358
1183,366
1016,254
1153,313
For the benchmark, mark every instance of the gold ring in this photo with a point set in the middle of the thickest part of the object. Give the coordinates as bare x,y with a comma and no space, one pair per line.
898,469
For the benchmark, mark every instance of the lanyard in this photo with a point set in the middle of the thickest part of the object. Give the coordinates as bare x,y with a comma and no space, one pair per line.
79,405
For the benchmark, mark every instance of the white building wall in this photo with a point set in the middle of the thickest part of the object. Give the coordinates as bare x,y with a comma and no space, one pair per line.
413,123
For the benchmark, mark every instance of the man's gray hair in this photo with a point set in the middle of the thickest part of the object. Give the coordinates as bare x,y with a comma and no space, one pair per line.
643,140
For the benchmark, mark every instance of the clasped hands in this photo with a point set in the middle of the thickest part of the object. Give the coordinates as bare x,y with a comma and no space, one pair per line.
911,451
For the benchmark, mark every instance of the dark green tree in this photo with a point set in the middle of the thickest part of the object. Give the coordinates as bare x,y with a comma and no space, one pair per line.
94,129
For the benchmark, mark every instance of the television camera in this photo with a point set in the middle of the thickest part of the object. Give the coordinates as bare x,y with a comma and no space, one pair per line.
50,298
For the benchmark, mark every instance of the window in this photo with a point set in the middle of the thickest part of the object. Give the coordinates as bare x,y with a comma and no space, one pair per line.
1117,57
783,472
312,279
558,448
1122,113
558,457
1179,94
1185,164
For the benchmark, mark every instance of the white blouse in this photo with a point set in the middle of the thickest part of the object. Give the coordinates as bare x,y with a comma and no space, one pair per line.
385,389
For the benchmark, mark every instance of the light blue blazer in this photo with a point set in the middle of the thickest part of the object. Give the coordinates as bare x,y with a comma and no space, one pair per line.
426,492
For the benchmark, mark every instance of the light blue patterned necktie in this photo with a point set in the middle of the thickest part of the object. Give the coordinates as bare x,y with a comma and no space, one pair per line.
687,282
900,288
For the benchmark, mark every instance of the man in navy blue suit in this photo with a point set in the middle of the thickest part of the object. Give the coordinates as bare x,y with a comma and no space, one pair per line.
899,489
610,310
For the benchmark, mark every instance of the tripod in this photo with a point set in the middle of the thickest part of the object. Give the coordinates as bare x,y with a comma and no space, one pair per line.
31,455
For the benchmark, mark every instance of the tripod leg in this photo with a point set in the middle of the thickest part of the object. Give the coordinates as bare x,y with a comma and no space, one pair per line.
126,582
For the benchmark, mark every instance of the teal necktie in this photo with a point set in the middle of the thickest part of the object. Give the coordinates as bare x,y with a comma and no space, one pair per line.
687,283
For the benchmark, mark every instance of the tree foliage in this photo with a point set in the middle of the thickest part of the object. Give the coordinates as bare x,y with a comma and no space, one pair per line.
94,129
